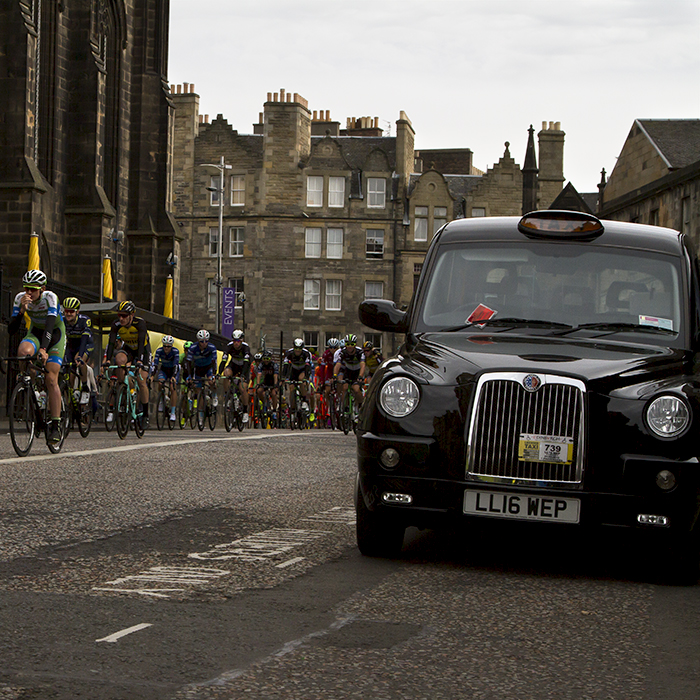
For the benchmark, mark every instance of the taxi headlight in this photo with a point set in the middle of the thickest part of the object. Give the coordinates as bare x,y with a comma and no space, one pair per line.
668,416
399,397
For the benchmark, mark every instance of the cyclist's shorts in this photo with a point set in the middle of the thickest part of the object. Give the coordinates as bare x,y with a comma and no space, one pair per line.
350,375
236,370
267,380
132,357
165,373
202,372
57,346
294,374
70,355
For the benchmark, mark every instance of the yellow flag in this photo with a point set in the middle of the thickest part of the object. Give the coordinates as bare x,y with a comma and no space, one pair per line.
34,261
168,310
107,278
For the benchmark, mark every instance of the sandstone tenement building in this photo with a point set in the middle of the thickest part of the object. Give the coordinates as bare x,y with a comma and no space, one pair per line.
317,218
656,179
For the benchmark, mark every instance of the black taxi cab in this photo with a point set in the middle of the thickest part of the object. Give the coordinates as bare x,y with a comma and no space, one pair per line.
547,374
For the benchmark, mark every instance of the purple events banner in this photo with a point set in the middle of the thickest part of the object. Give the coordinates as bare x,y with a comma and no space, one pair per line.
228,309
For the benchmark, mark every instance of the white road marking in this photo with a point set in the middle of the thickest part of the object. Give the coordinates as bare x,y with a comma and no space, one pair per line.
140,445
260,546
291,562
189,576
129,630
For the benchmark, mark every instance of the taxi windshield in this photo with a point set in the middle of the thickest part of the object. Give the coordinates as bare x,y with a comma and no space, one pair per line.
553,286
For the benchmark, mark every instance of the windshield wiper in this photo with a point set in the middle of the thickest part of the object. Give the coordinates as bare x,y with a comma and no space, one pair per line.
510,321
616,328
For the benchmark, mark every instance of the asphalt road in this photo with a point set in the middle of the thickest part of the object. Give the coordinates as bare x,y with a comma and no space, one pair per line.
211,565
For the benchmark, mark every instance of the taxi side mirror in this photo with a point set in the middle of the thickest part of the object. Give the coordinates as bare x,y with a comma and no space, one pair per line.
383,315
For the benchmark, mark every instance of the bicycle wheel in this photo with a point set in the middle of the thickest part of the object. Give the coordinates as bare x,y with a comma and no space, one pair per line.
161,408
64,423
121,411
212,411
183,406
68,400
110,408
238,411
171,423
139,424
84,419
345,413
22,419
201,408
228,411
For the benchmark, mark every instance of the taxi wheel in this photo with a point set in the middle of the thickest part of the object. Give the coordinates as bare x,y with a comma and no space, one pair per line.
377,535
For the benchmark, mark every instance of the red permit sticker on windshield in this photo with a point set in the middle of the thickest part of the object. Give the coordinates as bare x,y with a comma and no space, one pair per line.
481,313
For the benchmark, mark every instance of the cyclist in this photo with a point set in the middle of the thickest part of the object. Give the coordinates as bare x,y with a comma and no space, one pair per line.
373,358
236,363
297,367
324,371
267,375
46,338
132,331
350,368
166,368
201,362
79,346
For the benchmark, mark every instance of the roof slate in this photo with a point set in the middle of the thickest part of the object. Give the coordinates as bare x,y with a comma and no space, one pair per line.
678,140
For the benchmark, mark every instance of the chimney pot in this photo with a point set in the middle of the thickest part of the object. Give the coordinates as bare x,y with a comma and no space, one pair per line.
544,126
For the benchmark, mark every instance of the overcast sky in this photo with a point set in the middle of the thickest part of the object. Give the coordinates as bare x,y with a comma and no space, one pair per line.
468,73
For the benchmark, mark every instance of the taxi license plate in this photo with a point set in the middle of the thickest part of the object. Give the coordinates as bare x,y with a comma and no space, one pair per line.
522,506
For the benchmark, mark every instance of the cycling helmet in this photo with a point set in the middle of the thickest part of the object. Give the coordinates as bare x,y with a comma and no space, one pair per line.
71,303
168,340
237,335
333,343
187,345
34,279
258,356
298,343
367,346
350,339
126,307
267,355
203,335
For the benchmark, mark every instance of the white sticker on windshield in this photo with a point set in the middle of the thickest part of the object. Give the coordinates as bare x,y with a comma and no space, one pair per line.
665,323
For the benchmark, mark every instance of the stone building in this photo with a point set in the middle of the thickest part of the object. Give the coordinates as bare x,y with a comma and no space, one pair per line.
84,143
315,217
656,179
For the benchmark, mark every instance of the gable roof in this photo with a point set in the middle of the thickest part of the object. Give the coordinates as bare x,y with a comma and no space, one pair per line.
676,140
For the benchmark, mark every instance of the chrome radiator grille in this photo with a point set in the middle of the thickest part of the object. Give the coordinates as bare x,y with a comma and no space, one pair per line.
504,410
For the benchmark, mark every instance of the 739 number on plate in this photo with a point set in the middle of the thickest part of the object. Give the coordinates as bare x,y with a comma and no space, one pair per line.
545,448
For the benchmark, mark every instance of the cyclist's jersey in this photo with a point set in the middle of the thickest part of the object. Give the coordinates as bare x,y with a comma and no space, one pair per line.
134,338
198,357
298,363
265,373
372,360
47,327
237,359
324,371
349,361
79,336
168,361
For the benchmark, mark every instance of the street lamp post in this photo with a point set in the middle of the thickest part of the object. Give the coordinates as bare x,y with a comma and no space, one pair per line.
221,167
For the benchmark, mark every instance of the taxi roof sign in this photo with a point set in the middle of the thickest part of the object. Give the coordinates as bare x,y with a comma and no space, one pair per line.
562,225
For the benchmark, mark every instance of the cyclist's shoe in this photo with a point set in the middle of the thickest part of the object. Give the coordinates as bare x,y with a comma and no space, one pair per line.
54,435
110,417
245,417
215,401
312,417
84,395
